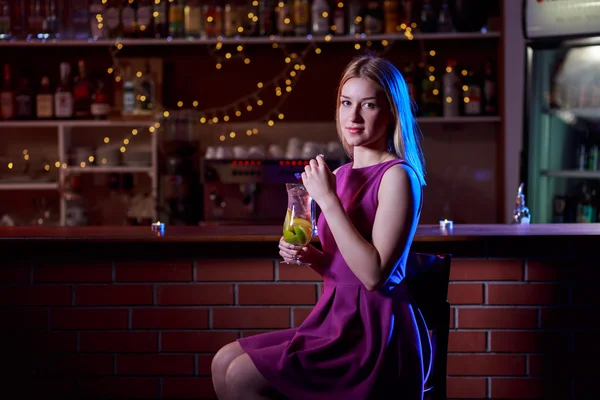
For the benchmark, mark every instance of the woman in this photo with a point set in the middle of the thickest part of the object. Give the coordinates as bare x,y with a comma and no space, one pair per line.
361,341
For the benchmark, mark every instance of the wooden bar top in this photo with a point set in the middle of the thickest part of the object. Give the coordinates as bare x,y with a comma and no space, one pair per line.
224,234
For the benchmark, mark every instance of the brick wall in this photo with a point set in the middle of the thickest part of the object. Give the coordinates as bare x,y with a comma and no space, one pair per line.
132,329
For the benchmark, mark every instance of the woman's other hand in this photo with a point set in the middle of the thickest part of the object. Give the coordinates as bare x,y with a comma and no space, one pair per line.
319,181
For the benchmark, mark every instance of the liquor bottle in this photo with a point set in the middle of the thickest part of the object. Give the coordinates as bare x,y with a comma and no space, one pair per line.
176,19
7,96
24,99
267,18
128,19
232,19
585,209
5,28
146,92
406,16
490,96
301,17
521,213
112,19
355,18
430,94
128,92
285,24
320,17
44,100
100,107
250,13
339,20
97,19
35,19
213,15
450,89
145,20
391,9
51,20
80,20
374,18
161,20
444,23
193,19
428,22
19,22
472,96
63,98
82,92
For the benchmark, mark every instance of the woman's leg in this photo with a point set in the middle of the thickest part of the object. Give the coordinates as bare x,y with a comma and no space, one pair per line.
220,363
244,382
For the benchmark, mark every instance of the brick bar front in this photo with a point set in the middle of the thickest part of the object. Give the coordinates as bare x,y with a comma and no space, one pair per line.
96,314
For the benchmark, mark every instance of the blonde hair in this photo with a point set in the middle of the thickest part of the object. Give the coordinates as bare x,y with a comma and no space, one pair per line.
404,136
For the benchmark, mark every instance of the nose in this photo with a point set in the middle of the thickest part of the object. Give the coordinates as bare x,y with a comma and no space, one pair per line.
355,115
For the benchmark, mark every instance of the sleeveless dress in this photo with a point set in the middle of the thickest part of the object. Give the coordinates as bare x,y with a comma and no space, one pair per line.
355,344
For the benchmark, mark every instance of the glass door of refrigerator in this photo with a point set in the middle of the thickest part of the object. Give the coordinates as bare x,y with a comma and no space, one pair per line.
564,133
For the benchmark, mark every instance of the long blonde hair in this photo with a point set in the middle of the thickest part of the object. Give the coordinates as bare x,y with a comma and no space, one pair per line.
404,136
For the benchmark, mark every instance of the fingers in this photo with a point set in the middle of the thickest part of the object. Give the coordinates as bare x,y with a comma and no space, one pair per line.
320,160
289,251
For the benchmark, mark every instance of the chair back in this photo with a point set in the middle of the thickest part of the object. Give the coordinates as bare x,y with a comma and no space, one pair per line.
427,279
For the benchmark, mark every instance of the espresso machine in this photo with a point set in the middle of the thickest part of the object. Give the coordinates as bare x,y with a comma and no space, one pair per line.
248,192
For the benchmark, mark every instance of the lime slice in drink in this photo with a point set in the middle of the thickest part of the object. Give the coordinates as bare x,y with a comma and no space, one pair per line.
289,237
303,230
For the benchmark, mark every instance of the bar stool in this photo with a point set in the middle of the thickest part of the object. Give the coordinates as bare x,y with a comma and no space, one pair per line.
427,279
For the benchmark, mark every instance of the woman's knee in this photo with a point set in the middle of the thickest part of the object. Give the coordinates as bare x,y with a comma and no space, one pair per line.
225,356
242,375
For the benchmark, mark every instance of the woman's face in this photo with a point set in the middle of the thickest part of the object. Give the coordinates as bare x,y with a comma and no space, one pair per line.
364,114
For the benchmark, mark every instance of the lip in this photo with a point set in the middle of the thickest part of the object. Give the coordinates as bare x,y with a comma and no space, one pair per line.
354,130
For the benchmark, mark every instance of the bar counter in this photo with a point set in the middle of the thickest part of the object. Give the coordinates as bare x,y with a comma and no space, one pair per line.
125,312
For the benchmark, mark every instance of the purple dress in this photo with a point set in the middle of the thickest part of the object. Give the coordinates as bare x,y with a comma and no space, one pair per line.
355,344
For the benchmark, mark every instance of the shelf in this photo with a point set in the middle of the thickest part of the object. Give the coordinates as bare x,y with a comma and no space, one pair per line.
76,124
251,40
28,186
107,170
459,120
576,174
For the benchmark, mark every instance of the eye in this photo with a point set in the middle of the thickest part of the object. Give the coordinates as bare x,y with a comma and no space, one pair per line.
345,103
370,105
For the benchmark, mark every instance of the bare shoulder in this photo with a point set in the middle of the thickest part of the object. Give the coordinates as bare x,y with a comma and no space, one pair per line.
399,181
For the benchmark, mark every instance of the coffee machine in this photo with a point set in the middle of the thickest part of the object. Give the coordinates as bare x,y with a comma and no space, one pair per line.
248,192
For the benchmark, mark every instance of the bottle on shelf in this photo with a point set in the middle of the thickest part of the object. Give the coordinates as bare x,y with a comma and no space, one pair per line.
128,19
586,204
451,91
301,17
176,19
79,23
144,19
339,26
428,23
51,20
391,10
232,19
146,92
63,97
285,23
128,91
19,20
112,19
444,22
192,19
355,18
267,18
374,18
35,19
100,107
471,94
5,16
44,100
521,214
161,18
490,97
7,96
320,17
82,92
24,99
213,17
97,22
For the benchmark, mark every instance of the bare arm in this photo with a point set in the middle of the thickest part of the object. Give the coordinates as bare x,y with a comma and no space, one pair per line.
371,262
